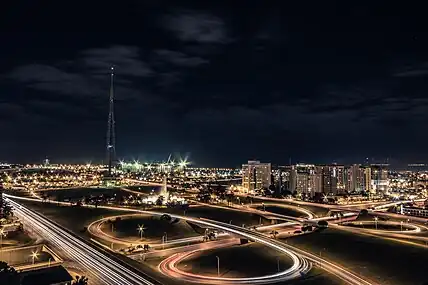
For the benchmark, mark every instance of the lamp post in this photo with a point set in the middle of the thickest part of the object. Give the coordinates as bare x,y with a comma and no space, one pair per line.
164,240
218,266
34,255
401,224
141,229
2,234
277,262
376,218
321,257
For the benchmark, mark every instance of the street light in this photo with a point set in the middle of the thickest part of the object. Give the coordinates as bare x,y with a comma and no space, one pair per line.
277,262
2,234
376,218
401,222
321,257
34,255
141,229
164,240
218,266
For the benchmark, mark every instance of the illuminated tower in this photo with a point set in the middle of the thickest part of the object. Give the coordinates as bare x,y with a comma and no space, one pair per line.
164,191
111,137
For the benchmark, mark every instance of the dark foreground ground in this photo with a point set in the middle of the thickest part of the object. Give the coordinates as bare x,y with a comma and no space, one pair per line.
154,228
384,261
226,216
73,218
250,260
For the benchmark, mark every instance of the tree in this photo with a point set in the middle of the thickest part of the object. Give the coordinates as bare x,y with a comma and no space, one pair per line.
8,275
364,212
81,280
5,209
274,234
322,224
159,201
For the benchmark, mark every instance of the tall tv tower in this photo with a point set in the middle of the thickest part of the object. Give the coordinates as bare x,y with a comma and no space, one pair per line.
111,136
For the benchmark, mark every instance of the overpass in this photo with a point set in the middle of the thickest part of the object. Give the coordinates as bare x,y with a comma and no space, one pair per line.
350,209
388,205
112,272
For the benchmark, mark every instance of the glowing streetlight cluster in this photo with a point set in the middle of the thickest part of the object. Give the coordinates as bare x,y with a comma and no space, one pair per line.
49,178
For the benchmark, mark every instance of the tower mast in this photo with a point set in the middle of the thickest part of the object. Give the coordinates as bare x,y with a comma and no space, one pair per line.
111,136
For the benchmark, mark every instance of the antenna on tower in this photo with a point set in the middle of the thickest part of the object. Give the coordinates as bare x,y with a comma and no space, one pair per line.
111,136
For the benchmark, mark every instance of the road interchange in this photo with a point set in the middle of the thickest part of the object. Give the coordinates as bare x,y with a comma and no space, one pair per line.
301,259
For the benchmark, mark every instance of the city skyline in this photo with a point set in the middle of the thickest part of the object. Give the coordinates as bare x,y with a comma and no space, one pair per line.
237,142
221,87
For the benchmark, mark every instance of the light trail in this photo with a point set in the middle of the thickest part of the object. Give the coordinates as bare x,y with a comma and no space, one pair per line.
168,267
296,254
299,266
309,214
107,270
337,270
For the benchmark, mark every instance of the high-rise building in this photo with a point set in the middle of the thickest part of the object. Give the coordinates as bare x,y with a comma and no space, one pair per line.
256,175
286,177
318,179
359,178
304,179
379,178
329,179
341,174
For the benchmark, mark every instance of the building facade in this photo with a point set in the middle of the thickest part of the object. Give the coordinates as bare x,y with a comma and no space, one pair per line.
302,179
329,179
379,179
256,175
359,179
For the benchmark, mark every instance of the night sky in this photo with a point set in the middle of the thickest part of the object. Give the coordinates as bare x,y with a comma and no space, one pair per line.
219,81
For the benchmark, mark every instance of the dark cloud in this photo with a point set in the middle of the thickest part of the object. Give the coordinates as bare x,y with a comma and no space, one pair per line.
222,82
126,59
412,73
40,73
179,58
192,26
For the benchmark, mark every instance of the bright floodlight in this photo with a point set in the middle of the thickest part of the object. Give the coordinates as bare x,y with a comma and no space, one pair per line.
183,163
34,254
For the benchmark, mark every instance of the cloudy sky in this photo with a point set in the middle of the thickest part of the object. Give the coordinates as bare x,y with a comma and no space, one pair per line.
221,83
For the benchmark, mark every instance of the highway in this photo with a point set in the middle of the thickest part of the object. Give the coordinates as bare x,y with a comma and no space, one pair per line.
337,270
107,270
79,249
349,208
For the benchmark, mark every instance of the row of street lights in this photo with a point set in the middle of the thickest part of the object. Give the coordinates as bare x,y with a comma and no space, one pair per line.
141,230
34,254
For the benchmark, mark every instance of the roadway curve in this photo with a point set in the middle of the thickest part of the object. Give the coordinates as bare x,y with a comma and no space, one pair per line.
107,270
309,214
169,267
295,253
414,229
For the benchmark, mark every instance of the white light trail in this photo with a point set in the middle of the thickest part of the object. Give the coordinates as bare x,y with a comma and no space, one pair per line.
104,268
